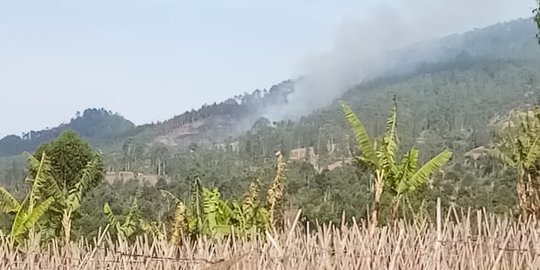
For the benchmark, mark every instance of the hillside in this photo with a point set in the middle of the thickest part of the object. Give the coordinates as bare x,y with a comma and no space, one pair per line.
507,51
215,123
98,126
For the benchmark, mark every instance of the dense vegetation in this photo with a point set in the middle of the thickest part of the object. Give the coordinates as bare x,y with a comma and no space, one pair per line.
60,181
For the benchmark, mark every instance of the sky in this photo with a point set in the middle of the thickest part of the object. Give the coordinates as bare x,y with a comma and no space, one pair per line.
150,60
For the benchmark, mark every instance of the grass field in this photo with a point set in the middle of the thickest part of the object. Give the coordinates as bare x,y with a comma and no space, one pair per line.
455,240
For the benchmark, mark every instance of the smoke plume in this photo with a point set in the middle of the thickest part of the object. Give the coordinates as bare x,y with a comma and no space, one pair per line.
368,47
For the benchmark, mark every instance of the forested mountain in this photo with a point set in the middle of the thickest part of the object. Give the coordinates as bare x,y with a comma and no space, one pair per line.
498,50
99,126
486,72
215,123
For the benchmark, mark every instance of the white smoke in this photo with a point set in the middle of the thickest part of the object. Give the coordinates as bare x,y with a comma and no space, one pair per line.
365,48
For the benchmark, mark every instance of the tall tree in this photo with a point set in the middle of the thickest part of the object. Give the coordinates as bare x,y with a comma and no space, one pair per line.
69,155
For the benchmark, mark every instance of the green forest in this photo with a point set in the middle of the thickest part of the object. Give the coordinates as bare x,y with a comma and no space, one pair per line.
465,129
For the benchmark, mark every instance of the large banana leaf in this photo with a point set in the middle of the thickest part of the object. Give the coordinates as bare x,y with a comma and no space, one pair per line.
362,137
41,182
504,156
195,202
422,175
25,221
180,217
210,208
8,203
124,228
390,141
168,195
113,220
48,187
88,175
130,224
407,169
533,154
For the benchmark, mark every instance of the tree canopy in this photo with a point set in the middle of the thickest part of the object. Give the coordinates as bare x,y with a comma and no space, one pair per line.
69,155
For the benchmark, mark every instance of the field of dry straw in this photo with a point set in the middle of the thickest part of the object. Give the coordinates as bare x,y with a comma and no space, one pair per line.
455,240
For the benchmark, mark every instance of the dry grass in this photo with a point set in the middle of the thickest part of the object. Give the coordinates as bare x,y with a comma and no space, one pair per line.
470,240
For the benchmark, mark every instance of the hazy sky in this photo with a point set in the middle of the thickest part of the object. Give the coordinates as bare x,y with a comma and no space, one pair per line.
150,60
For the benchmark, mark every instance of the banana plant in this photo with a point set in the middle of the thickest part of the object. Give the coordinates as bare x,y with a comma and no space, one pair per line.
370,157
218,213
8,203
519,148
209,215
251,213
179,225
276,191
409,177
380,157
68,202
127,225
28,212
132,223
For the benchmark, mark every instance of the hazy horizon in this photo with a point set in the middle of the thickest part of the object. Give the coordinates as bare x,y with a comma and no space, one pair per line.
151,61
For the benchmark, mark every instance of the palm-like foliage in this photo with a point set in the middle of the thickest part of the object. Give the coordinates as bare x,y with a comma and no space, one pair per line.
68,201
275,192
34,206
217,213
8,204
179,217
409,178
364,141
125,227
519,148
27,218
380,157
206,214
251,213
217,217
130,224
